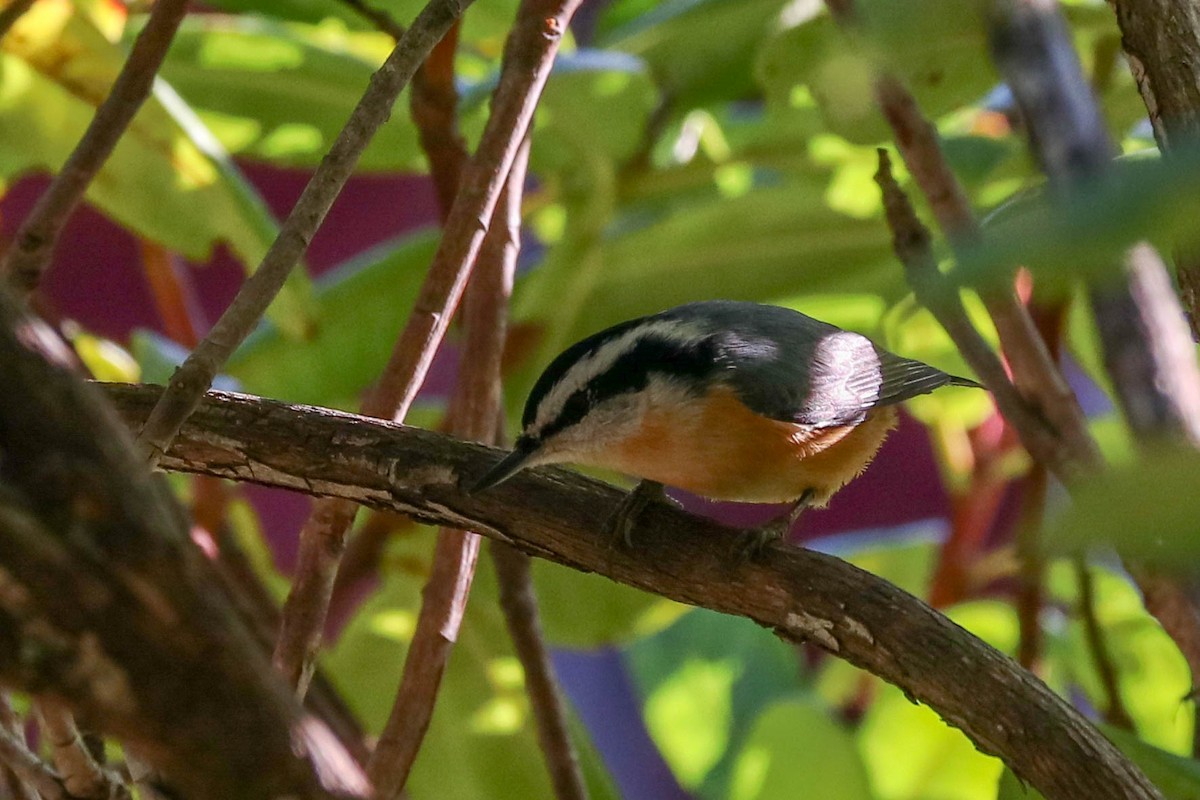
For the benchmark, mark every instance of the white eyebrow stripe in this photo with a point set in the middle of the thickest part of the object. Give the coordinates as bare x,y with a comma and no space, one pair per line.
601,359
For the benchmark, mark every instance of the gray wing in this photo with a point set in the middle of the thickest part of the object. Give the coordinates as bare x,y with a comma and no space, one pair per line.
790,367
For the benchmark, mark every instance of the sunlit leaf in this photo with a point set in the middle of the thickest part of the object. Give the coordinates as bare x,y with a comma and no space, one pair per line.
699,50
797,743
705,679
583,87
481,742
168,180
911,754
361,306
1147,510
283,93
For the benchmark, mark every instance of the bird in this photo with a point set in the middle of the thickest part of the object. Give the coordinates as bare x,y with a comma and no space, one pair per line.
730,400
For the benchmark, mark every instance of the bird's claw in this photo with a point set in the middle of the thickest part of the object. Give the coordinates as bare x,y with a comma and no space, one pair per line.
621,524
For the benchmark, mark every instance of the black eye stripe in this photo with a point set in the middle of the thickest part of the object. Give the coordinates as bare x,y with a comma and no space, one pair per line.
630,372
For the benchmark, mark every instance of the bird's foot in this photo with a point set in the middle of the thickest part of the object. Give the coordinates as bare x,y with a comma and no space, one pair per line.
621,524
753,543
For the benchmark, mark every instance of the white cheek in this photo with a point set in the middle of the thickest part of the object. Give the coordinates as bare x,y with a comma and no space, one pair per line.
614,420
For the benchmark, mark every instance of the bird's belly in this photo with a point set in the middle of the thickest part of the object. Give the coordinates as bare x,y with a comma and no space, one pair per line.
718,448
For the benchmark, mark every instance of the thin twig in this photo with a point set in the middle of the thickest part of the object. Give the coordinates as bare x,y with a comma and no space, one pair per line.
197,372
176,304
29,255
529,54
554,514
1115,712
517,600
11,13
1147,345
13,726
376,16
913,246
1035,373
486,302
1031,566
30,769
81,775
434,107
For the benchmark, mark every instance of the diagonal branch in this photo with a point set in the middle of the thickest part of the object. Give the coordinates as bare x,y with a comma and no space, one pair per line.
81,775
914,247
29,255
106,605
190,381
529,54
1147,346
1035,373
551,513
11,13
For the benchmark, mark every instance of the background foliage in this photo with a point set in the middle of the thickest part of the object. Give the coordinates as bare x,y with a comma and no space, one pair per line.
684,149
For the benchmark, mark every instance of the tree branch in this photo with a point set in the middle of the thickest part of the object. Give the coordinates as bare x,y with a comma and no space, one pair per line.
190,381
529,54
552,513
1162,44
1115,712
1147,346
1148,349
106,605
29,255
913,245
34,772
81,775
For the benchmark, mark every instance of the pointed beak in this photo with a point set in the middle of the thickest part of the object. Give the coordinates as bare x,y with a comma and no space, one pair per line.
508,466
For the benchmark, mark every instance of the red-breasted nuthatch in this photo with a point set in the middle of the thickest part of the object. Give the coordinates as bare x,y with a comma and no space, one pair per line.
728,400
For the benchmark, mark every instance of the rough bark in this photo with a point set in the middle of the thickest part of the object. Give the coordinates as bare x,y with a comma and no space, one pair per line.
551,513
107,606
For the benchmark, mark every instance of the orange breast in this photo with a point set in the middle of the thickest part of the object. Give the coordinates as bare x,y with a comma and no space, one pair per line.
716,447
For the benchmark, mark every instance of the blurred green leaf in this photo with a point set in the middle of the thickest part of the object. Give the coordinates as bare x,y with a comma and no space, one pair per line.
911,754
282,93
795,743
1147,510
104,359
481,741
600,612
584,86
1176,776
704,681
484,25
1152,675
700,51
1085,234
773,242
361,307
1011,787
936,47
167,179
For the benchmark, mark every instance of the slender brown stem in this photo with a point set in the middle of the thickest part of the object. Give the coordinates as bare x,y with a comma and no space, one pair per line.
517,600
12,726
550,513
529,54
1032,566
914,248
1034,371
377,16
33,772
81,775
197,372
1148,350
1115,713
28,257
177,306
